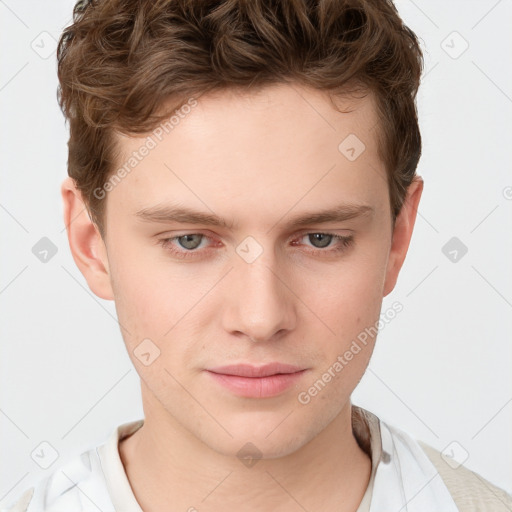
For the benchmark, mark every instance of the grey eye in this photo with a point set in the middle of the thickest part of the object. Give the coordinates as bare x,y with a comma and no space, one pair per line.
323,239
188,242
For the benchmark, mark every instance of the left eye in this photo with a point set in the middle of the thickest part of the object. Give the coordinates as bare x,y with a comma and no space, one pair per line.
191,242
323,239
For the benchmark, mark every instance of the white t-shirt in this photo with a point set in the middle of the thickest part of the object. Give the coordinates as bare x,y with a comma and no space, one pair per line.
406,475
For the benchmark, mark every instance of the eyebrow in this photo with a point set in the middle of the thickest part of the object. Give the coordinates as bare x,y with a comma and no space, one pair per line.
185,215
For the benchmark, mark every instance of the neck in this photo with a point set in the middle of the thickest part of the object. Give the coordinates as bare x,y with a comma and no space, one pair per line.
165,465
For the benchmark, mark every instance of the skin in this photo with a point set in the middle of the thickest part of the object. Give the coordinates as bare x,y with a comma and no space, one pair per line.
256,160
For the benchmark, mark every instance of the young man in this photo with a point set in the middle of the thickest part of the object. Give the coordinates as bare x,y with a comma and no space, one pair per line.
242,185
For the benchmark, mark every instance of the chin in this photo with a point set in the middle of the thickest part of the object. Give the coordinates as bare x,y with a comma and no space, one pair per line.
257,448
266,436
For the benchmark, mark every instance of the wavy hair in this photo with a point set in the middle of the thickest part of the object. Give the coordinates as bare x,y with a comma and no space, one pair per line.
121,62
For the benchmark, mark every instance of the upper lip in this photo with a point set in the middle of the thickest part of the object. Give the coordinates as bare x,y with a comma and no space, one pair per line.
249,370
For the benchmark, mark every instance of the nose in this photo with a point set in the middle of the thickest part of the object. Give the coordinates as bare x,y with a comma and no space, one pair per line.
259,303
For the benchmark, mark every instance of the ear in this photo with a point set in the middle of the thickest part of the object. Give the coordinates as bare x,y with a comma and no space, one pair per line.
402,233
85,242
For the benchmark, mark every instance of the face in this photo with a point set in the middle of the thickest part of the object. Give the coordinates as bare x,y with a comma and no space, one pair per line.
244,281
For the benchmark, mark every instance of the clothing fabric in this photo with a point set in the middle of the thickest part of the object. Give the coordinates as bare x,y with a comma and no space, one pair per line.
406,476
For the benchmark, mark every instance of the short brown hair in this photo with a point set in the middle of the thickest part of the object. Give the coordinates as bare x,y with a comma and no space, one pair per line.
121,61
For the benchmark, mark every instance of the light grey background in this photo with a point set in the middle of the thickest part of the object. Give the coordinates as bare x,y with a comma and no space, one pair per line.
441,368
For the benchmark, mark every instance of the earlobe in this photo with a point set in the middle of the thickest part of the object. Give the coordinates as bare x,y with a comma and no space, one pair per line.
87,246
402,233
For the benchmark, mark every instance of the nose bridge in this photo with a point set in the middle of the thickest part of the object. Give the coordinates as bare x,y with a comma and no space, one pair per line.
259,303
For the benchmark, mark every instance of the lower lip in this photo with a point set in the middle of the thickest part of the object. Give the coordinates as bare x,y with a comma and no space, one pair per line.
257,387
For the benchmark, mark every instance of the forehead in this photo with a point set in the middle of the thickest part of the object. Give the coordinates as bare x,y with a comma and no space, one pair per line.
279,146
293,112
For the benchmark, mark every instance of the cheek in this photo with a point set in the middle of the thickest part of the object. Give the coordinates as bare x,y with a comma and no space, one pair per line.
155,302
348,301
141,295
348,297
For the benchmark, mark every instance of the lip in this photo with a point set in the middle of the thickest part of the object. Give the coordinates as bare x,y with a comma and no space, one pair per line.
249,370
257,381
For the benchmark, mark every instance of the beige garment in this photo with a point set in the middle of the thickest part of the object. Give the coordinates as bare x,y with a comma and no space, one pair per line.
470,491
367,433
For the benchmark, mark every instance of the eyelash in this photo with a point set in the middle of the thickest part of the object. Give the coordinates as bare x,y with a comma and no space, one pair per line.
345,243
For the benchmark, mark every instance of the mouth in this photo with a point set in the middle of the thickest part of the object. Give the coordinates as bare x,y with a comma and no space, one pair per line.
257,381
